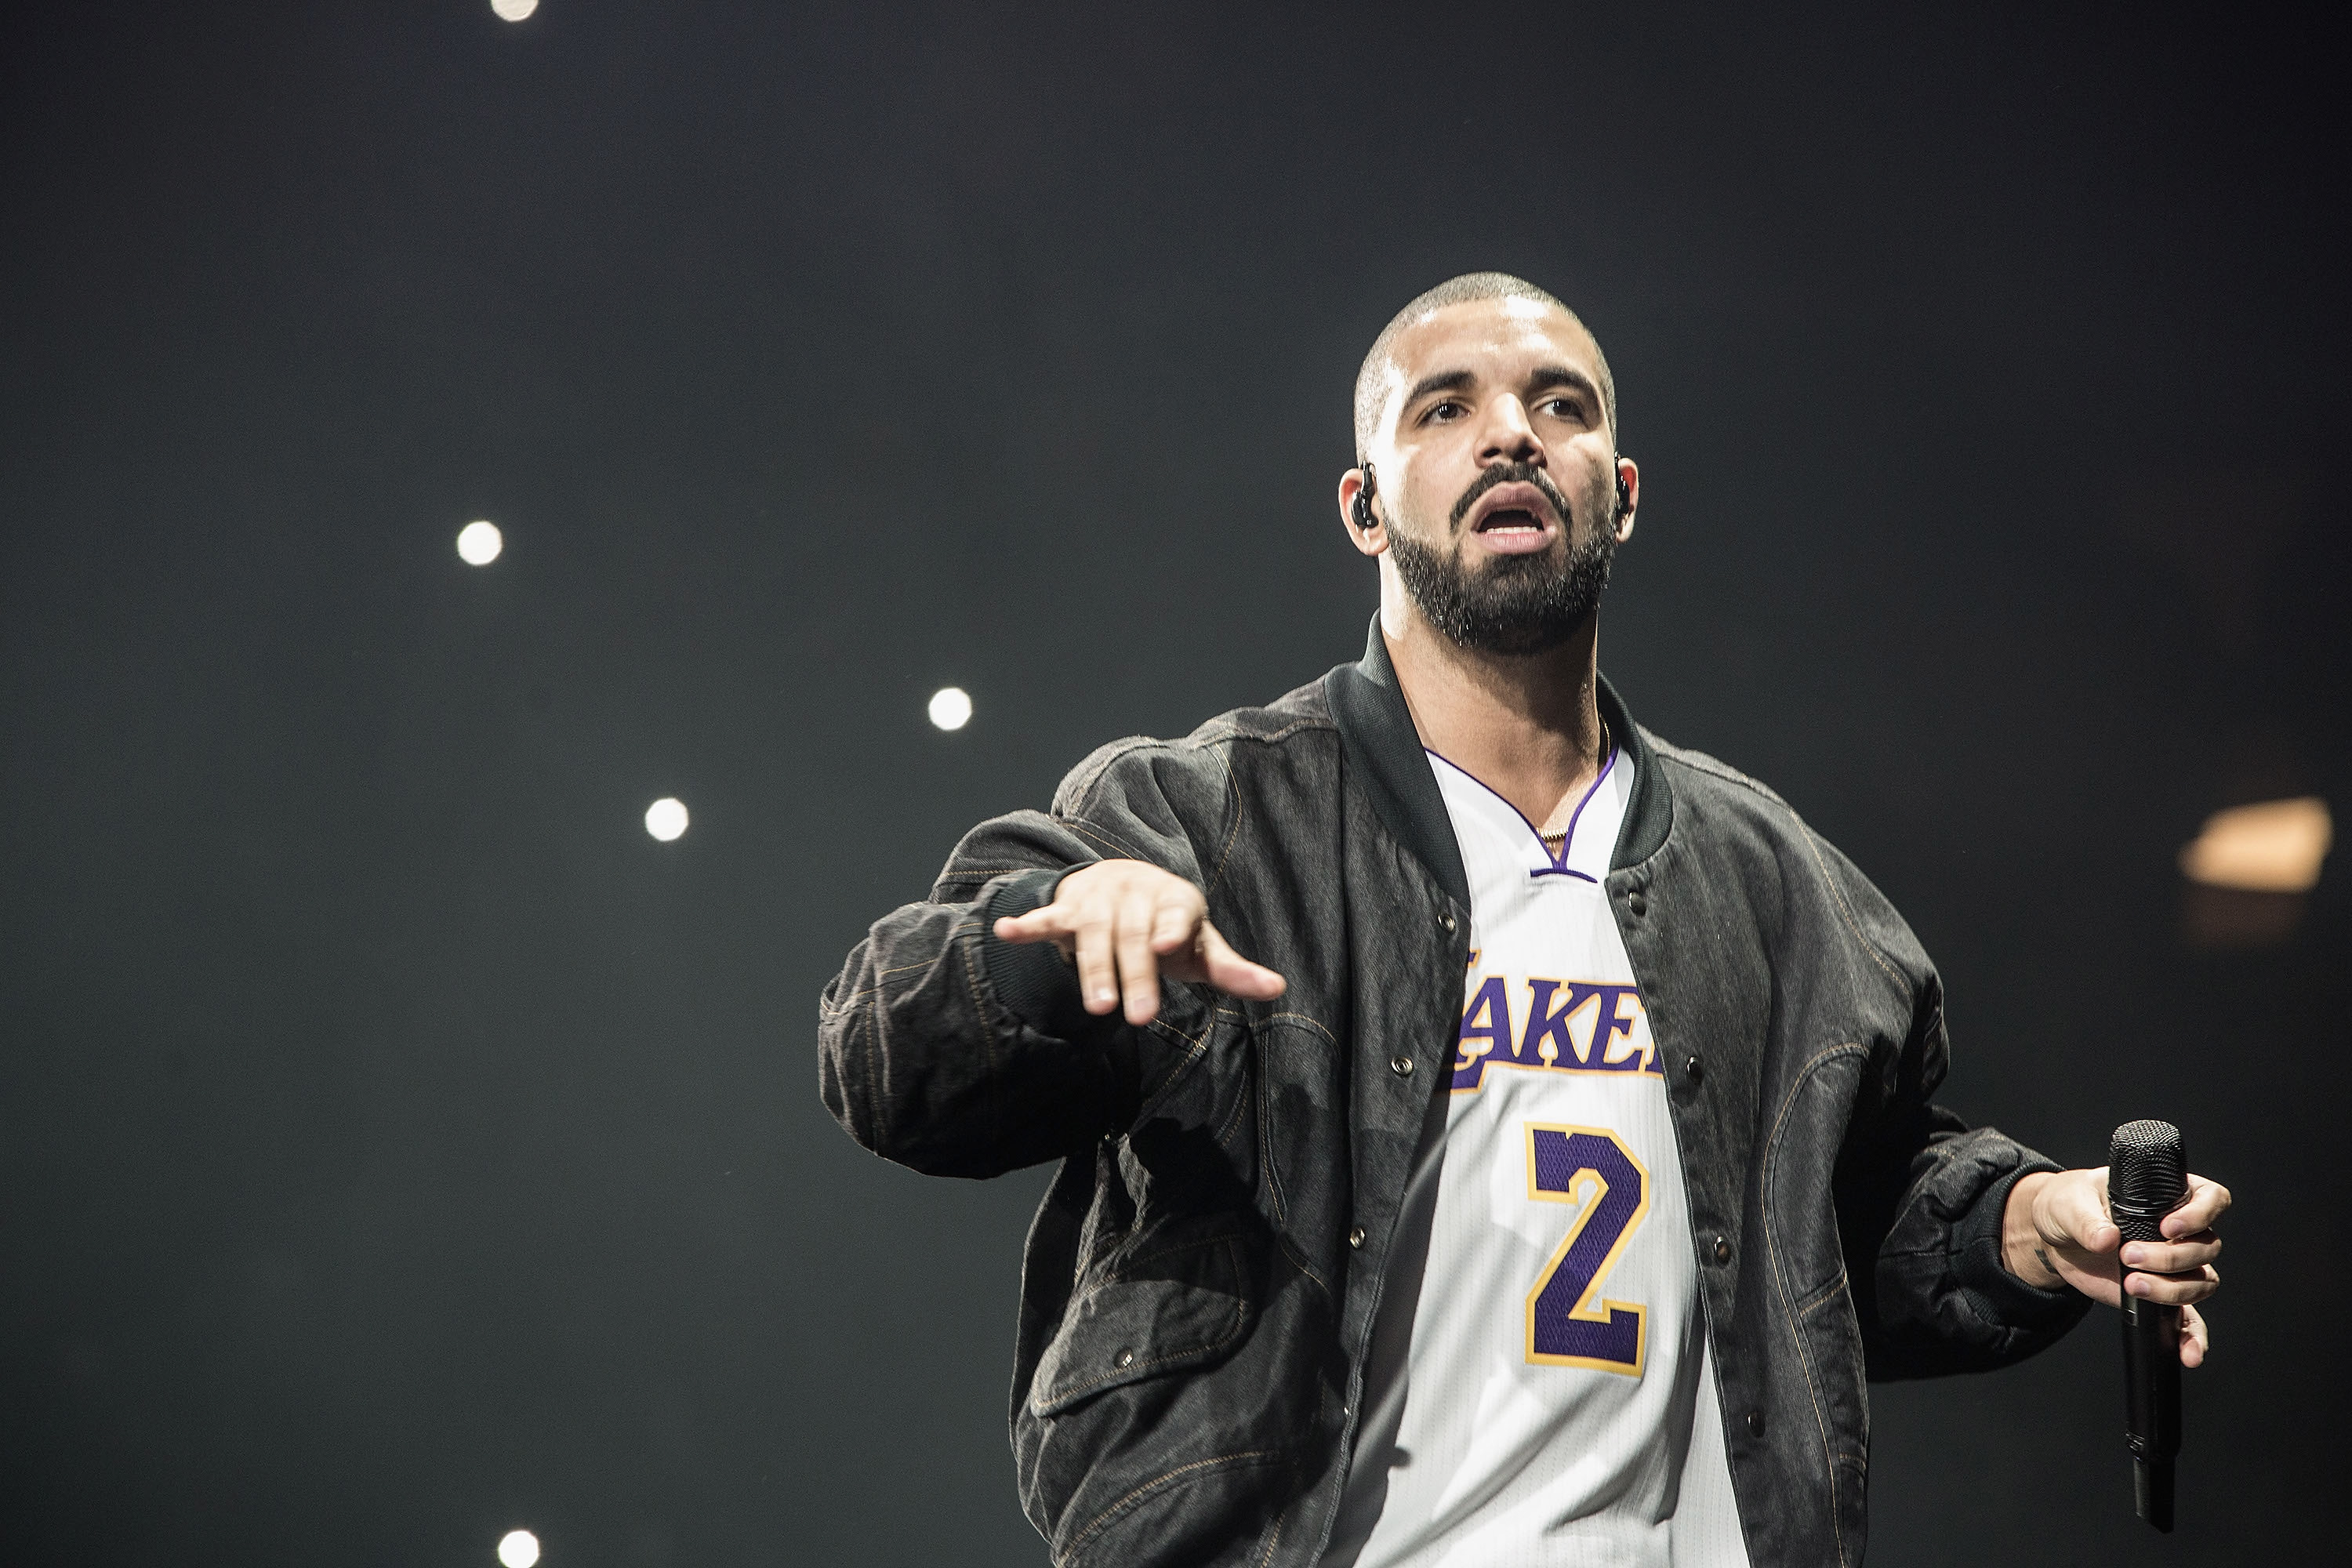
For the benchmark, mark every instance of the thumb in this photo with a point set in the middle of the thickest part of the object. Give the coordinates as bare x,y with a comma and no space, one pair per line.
1231,974
2078,1209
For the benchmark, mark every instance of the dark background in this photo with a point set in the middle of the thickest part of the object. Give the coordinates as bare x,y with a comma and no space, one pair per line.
397,1146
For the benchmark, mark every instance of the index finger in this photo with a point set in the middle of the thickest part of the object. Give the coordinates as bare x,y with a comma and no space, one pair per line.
2208,1202
1037,925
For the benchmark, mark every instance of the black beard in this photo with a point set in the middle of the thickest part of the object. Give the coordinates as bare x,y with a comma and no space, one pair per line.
1519,604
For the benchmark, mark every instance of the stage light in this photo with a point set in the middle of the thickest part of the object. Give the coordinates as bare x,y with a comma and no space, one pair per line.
665,818
478,544
2274,847
514,11
950,709
519,1548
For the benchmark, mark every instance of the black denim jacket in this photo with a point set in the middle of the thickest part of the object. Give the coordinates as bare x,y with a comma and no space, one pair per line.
1200,1281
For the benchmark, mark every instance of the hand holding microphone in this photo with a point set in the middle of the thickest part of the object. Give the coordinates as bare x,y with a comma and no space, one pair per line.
2057,1230
2138,1235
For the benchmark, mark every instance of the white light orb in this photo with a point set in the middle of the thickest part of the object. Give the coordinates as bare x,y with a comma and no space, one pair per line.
665,818
950,708
478,544
519,1548
515,11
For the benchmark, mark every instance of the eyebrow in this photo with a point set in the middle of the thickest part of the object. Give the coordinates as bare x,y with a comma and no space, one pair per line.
1542,379
1443,381
1553,375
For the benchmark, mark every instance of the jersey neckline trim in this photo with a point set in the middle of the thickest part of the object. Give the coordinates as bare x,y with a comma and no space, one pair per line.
1554,865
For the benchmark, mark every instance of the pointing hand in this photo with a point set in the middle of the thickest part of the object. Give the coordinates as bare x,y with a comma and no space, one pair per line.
1127,922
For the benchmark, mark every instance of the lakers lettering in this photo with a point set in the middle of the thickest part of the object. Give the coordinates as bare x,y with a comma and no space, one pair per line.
1558,1025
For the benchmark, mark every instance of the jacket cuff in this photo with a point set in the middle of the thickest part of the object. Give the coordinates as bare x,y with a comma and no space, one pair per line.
1035,983
1990,1287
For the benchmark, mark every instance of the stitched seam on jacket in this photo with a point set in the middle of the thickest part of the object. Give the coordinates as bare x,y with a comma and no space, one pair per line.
1232,1122
1780,1281
1195,1052
1313,1023
846,1003
1714,767
1732,775
872,1029
1845,908
1825,1295
1273,1539
1300,1262
1282,1210
1274,1189
1273,1174
971,970
1211,737
1242,1101
834,1009
1105,836
1233,834
1214,733
1094,1526
1298,1259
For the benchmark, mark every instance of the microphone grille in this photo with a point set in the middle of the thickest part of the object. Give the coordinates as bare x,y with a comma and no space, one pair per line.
2146,1166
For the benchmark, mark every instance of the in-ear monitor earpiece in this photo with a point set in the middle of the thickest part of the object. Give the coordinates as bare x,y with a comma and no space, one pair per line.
1361,514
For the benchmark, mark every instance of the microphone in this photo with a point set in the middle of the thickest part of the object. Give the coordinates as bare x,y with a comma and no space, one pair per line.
2148,1178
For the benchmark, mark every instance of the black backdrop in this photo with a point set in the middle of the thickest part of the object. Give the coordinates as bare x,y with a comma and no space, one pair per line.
397,1146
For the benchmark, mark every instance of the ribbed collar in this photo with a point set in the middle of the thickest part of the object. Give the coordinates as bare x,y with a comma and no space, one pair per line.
1385,752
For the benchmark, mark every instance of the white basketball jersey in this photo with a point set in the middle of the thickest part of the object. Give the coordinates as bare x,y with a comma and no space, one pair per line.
1539,1393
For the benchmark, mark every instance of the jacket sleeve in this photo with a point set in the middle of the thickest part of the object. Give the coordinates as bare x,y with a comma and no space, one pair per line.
1920,1194
950,1051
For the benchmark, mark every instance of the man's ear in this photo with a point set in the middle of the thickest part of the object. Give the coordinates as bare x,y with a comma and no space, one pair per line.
1629,496
1358,487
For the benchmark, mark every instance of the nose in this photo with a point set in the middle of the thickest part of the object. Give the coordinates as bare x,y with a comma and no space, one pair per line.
1509,435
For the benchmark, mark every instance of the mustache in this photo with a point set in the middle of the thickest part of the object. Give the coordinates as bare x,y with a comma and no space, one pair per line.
1513,474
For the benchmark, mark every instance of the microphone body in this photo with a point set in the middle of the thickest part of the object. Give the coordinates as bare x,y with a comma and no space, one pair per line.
2148,1178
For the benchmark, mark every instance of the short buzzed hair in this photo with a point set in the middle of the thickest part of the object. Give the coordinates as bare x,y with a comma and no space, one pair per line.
1462,291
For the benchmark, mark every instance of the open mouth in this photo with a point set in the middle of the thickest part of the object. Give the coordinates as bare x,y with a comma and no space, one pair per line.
1514,518
1504,520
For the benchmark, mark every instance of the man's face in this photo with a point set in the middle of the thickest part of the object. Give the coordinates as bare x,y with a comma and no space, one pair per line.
1498,474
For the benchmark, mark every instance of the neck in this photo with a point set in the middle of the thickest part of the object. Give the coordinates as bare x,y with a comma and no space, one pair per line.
1527,726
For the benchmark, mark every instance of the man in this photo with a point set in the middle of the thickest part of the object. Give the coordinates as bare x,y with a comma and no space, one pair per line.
1541,1186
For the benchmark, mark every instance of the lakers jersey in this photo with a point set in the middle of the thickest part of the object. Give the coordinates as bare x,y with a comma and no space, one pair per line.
1538,1391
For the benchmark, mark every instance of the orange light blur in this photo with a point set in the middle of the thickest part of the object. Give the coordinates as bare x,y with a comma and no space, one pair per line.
2274,847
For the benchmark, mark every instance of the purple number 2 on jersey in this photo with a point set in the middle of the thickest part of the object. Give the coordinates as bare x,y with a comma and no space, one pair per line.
1567,1324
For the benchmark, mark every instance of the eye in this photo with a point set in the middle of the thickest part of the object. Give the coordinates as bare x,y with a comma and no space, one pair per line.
1564,408
1445,408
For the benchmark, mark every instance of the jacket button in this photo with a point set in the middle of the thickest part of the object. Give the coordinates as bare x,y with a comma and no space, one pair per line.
1723,1249
1127,1359
1756,1424
1693,1069
1400,1065
1445,919
1355,1236
1637,903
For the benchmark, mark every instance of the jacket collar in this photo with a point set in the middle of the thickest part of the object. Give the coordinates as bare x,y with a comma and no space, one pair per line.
1384,751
